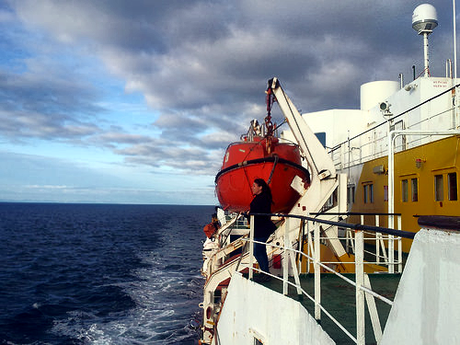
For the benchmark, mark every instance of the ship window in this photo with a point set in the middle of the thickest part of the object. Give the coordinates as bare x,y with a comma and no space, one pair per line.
321,137
414,189
438,188
452,181
351,194
368,193
405,191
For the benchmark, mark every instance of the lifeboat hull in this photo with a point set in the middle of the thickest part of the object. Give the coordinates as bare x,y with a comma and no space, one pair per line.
244,162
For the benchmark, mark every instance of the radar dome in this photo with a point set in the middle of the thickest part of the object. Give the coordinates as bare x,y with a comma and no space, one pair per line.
424,18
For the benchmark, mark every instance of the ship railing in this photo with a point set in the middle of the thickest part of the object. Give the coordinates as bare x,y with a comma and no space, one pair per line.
237,225
373,142
384,245
363,290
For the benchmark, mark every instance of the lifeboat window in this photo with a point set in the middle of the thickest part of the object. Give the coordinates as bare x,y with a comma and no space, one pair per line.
452,185
414,189
438,188
405,191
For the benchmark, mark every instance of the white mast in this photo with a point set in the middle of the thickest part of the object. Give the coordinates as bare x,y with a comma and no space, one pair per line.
455,39
424,20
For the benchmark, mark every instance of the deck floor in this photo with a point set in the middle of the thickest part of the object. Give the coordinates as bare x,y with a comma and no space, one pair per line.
338,298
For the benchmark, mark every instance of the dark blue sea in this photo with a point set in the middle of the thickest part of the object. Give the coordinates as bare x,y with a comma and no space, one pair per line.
100,274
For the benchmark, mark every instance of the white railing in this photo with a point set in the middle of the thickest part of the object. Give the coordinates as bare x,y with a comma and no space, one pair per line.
362,283
373,143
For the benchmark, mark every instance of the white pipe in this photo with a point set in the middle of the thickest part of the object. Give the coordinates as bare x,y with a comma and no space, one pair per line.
449,68
286,256
251,247
359,268
317,273
455,39
426,55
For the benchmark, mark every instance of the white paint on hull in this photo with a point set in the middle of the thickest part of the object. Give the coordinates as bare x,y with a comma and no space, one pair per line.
426,306
253,311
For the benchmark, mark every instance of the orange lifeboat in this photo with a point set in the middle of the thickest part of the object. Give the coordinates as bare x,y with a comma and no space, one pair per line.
262,157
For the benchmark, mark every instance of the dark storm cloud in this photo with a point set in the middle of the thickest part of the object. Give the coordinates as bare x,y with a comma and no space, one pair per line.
203,65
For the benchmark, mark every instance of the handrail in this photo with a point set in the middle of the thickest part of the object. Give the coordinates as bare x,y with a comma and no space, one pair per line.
312,299
351,282
362,283
357,226
354,214
394,117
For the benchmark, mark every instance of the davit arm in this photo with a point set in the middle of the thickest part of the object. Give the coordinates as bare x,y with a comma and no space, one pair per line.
324,179
318,160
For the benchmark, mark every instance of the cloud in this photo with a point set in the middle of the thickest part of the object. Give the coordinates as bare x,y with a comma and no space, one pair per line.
201,67
25,177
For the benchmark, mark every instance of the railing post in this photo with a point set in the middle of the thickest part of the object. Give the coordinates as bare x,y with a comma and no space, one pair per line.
391,254
317,273
309,243
347,241
359,269
251,247
399,246
292,261
377,240
286,257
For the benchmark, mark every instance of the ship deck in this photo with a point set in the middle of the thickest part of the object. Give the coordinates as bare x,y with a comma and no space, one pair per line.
338,298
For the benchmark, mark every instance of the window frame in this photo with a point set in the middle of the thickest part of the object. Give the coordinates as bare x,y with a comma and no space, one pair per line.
405,190
439,187
452,187
414,189
368,192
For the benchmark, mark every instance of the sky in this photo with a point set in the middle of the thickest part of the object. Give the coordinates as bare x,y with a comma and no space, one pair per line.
135,101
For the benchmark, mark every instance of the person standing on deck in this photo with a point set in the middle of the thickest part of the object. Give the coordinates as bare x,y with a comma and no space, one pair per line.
263,226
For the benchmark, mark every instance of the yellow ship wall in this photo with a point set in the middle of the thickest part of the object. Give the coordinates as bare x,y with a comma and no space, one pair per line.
426,183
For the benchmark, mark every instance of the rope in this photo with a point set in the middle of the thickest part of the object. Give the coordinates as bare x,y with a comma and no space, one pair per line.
261,160
273,169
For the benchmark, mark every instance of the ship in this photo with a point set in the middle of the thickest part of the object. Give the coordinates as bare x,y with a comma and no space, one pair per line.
368,251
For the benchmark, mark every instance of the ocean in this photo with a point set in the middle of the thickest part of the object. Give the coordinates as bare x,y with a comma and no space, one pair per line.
100,274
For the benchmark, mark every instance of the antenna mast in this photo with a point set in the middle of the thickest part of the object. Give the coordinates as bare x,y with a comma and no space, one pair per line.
424,20
455,39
